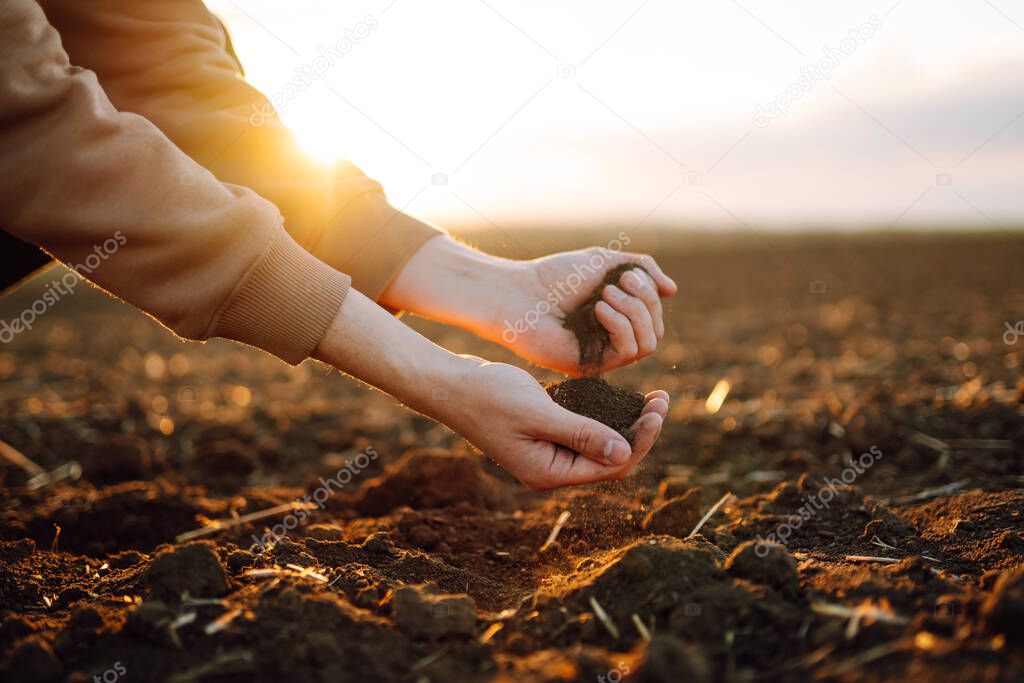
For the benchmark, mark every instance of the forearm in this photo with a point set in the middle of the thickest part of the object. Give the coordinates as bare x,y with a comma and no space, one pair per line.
452,283
365,341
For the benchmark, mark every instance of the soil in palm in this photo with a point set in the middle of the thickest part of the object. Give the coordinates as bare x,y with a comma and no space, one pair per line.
592,397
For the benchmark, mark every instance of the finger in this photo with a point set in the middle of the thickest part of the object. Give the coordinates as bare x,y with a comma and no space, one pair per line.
659,406
641,285
565,470
656,401
666,285
647,429
620,334
657,393
587,437
639,317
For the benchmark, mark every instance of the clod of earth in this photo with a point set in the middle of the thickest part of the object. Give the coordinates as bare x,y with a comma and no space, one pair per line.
591,336
675,516
594,398
119,457
193,568
150,622
423,613
430,478
35,661
1004,608
666,659
769,564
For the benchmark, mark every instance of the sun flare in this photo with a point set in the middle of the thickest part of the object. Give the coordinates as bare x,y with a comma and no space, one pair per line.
317,131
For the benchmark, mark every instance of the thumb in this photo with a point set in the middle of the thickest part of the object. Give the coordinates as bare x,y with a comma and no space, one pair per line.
587,437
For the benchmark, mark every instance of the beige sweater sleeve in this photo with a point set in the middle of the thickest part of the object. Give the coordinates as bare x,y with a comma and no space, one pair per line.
107,194
168,61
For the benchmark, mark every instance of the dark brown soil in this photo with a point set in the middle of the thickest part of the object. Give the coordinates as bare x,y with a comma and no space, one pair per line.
593,397
426,564
591,336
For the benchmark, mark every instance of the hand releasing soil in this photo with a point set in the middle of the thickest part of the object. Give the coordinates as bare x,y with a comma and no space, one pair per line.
593,339
592,397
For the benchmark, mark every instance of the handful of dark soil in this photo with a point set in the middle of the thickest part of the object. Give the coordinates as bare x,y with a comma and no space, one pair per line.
593,339
592,397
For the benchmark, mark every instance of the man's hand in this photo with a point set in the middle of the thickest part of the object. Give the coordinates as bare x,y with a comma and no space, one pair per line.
545,290
521,304
505,413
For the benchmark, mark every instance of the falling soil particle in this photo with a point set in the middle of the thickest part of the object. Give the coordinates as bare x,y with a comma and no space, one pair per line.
591,335
594,398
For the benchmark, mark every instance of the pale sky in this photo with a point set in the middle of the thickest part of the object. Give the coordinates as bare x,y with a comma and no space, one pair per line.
580,112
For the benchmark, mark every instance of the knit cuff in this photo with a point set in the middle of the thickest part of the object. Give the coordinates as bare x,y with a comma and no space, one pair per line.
285,303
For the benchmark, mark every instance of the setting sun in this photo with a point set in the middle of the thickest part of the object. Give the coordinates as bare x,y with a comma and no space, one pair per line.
317,129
